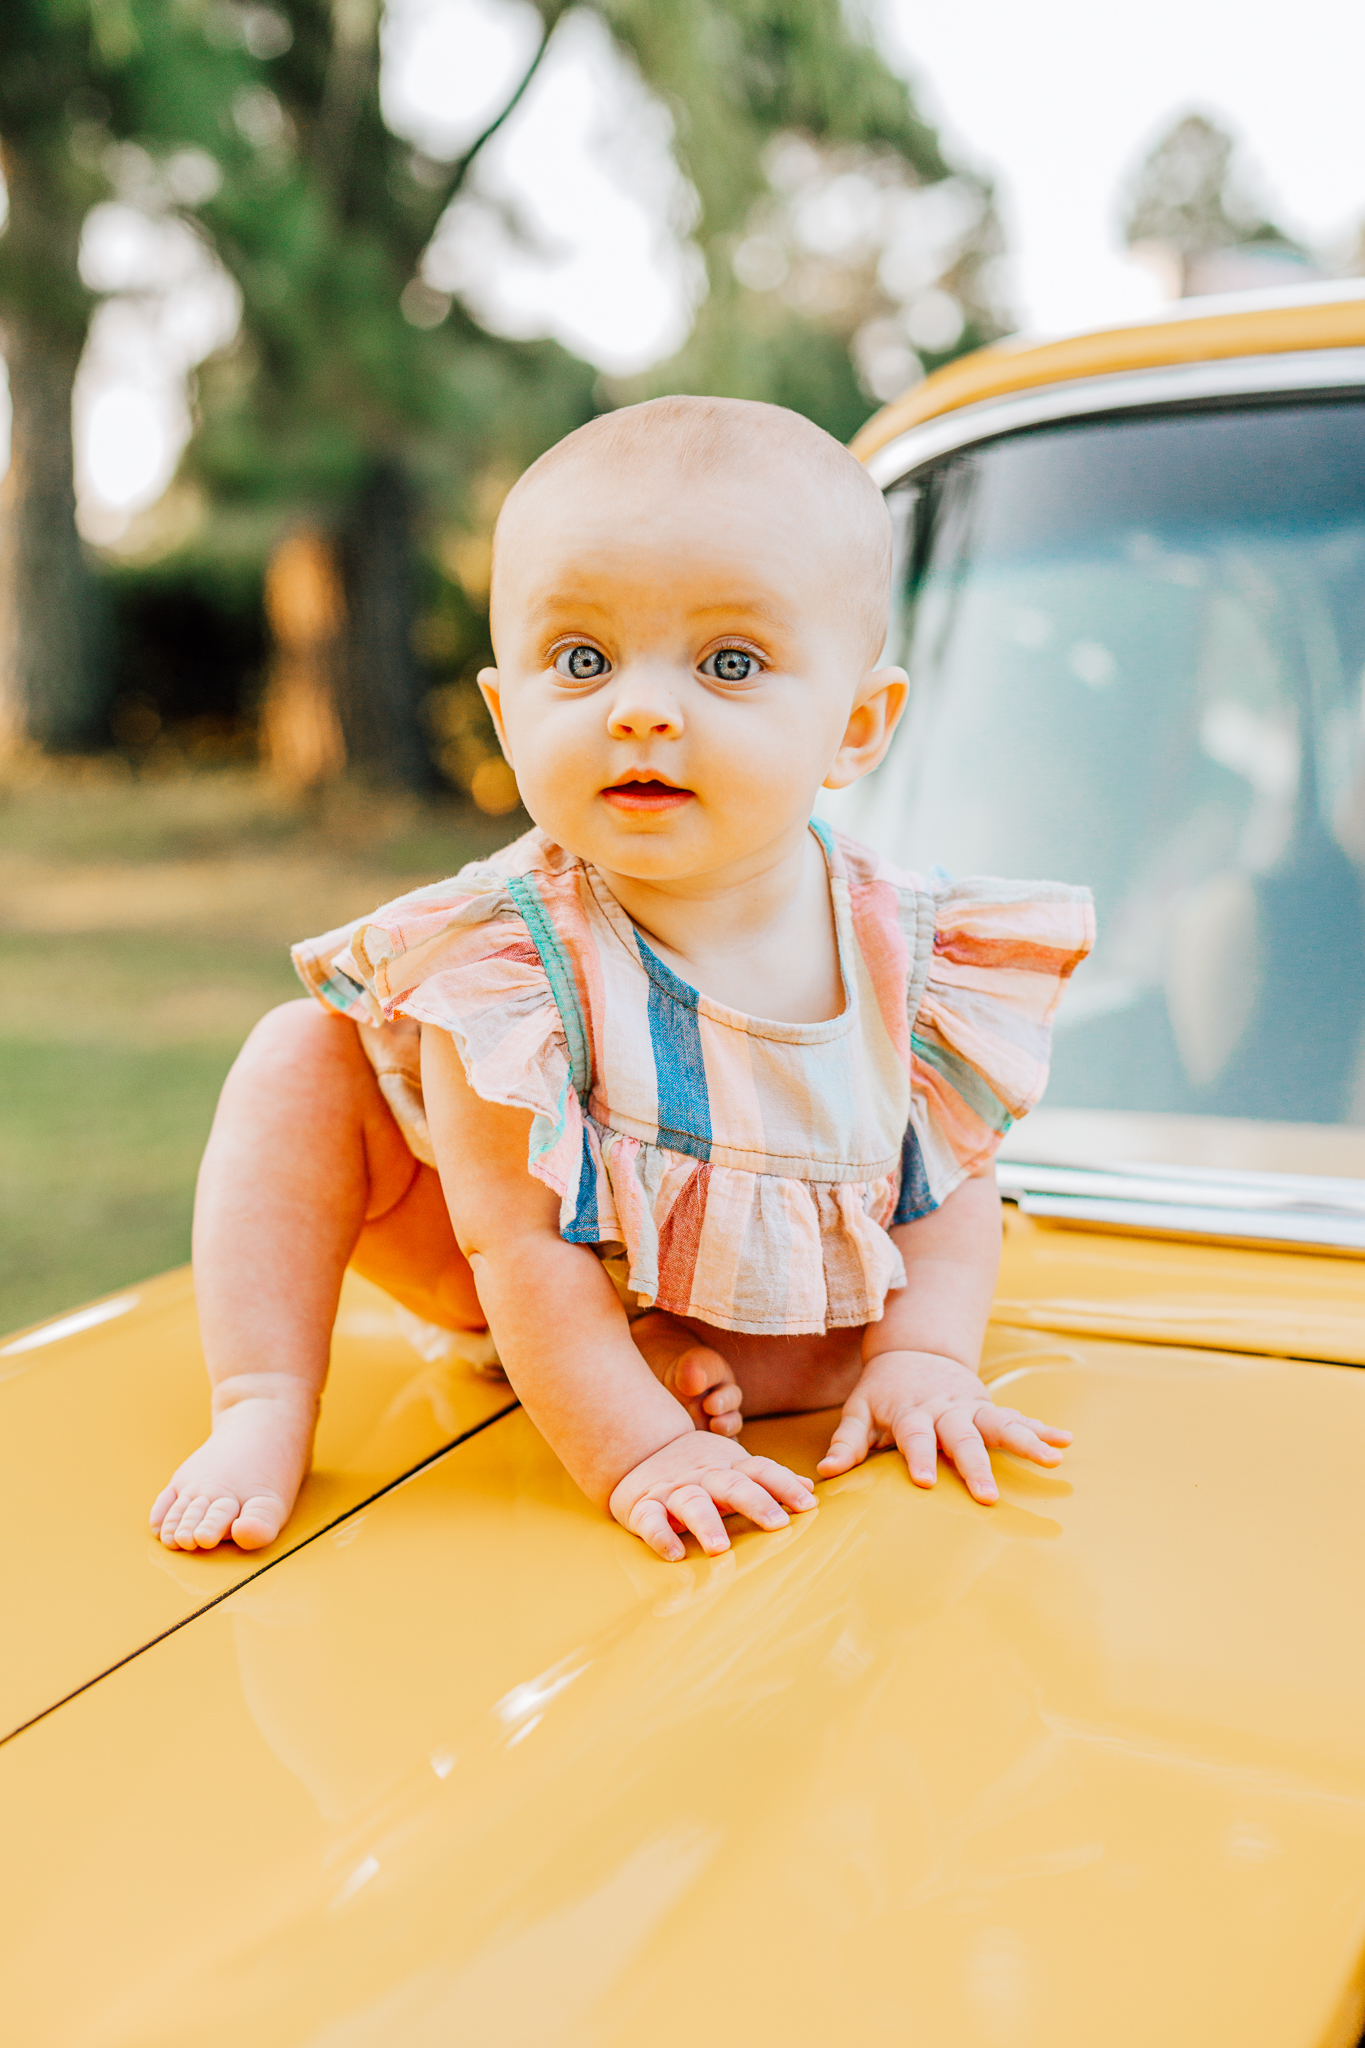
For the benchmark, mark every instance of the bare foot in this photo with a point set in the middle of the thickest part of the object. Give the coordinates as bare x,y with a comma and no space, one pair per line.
695,1374
243,1482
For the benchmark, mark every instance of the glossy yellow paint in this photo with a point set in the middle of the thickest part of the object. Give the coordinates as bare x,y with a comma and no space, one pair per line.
94,1419
472,1767
1020,364
1092,1282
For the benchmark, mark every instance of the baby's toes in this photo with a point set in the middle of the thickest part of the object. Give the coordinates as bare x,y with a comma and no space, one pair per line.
703,1371
722,1407
170,1516
260,1521
216,1521
178,1529
161,1507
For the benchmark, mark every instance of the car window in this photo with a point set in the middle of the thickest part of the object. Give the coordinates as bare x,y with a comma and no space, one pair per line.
1136,649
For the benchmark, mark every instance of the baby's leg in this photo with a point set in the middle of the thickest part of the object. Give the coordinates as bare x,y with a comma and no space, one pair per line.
305,1169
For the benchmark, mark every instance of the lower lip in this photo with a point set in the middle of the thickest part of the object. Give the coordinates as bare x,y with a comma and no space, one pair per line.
643,799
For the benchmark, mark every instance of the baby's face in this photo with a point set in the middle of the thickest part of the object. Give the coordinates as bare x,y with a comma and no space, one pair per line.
681,666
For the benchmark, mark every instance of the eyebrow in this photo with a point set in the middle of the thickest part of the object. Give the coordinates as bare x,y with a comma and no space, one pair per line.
546,608
760,607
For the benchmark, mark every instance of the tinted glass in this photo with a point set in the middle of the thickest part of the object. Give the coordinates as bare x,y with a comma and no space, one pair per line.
1137,650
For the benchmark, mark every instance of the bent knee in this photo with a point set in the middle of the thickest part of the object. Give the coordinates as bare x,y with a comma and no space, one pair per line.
301,1031
304,1068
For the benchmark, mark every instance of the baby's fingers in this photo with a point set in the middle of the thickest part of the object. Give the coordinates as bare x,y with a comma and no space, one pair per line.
737,1494
962,1441
790,1488
850,1443
917,1440
695,1508
1006,1429
650,1522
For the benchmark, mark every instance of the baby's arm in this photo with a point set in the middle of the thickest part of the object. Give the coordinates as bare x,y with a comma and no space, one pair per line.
565,1343
919,1387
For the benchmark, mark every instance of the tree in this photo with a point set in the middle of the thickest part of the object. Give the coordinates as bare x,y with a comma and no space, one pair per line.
844,252
354,391
78,79
361,412
1188,203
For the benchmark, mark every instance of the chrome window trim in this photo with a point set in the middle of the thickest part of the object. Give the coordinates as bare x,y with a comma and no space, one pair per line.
1302,1212
1290,1211
1309,370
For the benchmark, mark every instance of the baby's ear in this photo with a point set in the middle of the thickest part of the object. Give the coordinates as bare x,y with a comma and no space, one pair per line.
875,715
492,697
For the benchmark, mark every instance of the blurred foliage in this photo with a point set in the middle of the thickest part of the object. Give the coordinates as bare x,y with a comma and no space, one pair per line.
1191,200
841,253
87,89
851,277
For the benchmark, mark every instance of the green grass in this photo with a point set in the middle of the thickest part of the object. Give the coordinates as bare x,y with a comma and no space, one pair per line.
98,1153
144,926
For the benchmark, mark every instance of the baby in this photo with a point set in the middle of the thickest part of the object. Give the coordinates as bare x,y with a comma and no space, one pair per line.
689,1101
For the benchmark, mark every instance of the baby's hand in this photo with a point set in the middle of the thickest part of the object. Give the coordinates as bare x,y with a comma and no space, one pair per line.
696,1479
920,1401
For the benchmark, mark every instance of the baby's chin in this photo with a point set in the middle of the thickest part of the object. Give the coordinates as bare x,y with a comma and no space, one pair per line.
649,841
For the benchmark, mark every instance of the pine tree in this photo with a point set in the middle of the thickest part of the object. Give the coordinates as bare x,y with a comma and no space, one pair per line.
1188,200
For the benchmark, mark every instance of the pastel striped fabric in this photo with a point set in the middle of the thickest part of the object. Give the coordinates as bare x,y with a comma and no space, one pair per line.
748,1168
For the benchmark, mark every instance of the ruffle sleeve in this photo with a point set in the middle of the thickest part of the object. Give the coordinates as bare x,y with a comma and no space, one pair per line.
459,955
981,1024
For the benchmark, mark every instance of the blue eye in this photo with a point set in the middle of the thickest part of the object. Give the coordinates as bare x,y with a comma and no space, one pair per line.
581,663
730,665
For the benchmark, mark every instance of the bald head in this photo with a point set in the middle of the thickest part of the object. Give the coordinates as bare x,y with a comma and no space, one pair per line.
669,442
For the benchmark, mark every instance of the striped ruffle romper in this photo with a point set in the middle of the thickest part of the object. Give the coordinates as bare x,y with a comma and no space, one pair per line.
735,1169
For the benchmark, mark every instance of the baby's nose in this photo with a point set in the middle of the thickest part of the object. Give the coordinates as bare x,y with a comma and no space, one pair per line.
644,713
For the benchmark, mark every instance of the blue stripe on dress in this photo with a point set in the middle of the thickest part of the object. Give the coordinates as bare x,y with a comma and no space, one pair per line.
344,992
914,1200
964,1081
825,837
680,1069
559,974
583,1229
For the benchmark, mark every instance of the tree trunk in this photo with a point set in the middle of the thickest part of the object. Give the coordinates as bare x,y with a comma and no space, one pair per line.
301,737
51,691
345,689
381,685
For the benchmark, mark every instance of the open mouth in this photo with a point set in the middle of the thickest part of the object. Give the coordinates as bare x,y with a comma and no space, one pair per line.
646,793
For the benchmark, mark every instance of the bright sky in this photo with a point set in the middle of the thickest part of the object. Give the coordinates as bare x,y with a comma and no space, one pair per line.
1057,100
1060,99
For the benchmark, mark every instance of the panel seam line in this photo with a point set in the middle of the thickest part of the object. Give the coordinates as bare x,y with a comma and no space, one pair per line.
336,1522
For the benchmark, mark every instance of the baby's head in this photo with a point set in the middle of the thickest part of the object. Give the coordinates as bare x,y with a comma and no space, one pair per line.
689,602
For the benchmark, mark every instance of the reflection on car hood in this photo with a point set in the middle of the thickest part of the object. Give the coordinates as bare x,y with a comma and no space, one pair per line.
1228,1297
472,1766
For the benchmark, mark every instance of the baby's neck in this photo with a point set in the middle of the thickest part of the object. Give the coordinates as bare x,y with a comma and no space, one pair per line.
759,938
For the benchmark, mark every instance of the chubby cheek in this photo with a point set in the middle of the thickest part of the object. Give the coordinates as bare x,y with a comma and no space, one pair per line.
558,760
764,767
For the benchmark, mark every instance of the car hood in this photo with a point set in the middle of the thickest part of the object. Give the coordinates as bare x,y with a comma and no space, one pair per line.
463,1761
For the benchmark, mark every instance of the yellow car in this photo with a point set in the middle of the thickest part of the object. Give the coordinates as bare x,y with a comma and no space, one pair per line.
457,1762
